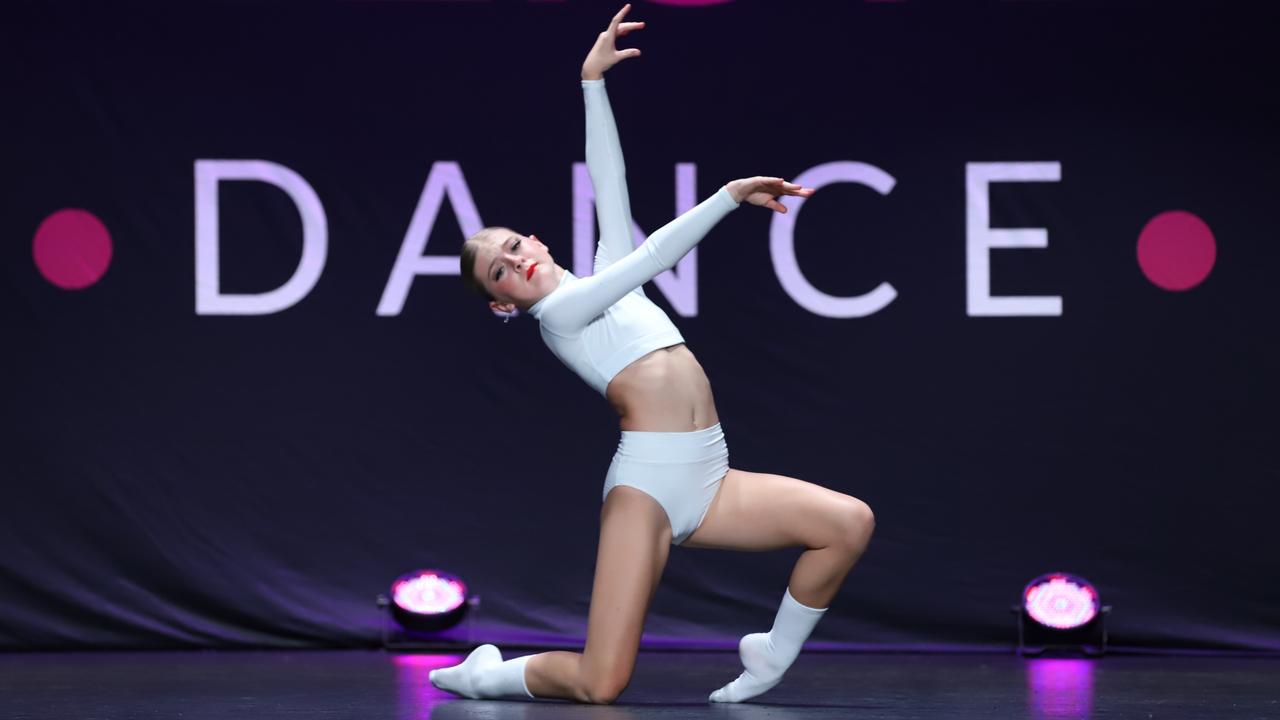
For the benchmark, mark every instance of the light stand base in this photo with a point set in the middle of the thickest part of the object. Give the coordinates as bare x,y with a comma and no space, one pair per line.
458,637
1036,639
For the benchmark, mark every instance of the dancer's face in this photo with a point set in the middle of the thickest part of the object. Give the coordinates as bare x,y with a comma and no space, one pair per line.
516,269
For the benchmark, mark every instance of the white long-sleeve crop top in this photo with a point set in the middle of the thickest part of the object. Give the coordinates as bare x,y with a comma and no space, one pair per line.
600,324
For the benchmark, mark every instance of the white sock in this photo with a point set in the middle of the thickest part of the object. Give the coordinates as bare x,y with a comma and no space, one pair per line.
766,656
483,675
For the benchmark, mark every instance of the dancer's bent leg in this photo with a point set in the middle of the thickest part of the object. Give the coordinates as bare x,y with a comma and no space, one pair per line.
757,511
635,539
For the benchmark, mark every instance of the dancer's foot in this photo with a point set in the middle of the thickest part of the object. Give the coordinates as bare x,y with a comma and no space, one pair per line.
766,656
463,679
763,669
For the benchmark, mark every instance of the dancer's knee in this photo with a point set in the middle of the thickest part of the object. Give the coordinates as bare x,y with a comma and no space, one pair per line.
602,685
856,523
602,691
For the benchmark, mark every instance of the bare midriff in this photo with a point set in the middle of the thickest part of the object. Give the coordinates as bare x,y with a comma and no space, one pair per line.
664,391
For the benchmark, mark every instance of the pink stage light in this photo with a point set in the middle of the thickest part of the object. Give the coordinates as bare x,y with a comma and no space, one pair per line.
429,592
1060,601
428,600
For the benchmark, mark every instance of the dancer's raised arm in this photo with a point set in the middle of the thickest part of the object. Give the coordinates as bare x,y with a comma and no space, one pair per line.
569,309
604,151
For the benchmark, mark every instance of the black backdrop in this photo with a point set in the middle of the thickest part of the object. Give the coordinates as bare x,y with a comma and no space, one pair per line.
172,476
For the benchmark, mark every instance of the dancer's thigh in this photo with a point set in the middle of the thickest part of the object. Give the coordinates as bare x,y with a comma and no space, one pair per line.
759,511
635,539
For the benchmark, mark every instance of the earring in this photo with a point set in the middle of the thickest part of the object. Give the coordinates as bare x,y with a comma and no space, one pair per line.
506,320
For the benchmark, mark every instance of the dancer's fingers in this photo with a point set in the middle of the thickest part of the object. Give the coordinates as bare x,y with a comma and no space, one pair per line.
617,19
627,27
790,188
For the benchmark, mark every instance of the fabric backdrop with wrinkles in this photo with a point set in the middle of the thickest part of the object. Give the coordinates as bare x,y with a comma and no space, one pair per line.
174,478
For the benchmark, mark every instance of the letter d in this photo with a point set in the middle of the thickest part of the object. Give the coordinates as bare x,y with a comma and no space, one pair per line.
315,238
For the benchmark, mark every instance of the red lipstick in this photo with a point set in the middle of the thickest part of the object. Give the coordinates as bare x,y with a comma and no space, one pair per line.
529,273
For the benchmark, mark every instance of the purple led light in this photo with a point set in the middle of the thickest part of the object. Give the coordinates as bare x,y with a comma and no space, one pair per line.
1061,601
428,592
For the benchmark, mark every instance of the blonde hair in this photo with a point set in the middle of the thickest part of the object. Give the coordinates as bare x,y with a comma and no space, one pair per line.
470,249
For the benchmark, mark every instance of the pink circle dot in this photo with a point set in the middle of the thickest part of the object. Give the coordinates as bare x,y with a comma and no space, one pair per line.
1176,250
72,249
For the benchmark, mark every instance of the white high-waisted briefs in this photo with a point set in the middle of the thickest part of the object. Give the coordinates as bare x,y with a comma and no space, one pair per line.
681,470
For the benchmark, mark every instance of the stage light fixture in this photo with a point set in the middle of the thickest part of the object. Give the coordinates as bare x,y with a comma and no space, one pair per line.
1060,601
428,600
1061,611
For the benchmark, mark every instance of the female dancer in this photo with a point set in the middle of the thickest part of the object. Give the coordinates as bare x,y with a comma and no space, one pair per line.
670,482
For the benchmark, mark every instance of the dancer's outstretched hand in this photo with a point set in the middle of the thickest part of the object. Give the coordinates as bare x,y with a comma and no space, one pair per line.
604,54
765,191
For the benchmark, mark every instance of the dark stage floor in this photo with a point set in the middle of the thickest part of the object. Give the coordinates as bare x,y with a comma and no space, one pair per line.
370,684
